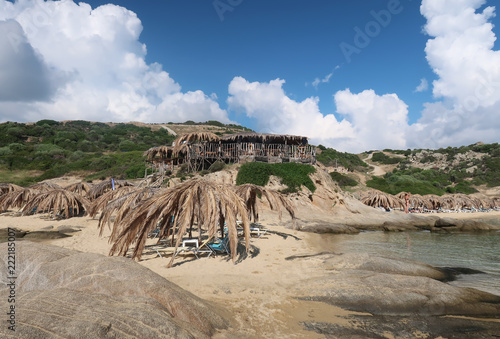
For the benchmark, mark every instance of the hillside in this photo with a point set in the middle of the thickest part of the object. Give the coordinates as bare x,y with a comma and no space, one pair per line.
46,149
466,169
32,152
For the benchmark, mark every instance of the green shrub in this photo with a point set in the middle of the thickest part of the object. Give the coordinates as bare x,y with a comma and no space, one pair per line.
292,175
217,166
343,180
331,157
384,159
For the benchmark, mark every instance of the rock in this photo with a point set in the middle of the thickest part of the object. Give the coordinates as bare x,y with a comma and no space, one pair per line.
4,233
85,295
395,226
461,225
385,286
69,229
44,235
325,227
368,262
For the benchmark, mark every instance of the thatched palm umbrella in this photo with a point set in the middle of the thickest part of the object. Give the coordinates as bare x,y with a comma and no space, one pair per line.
417,201
17,198
82,188
103,200
55,202
496,202
6,188
44,187
212,206
122,205
249,192
101,188
376,198
433,201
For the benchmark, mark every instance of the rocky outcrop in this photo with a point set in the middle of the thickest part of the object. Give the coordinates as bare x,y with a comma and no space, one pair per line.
324,227
84,295
401,297
448,225
385,286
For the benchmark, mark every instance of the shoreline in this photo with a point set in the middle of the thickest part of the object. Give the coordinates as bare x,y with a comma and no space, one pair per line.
258,295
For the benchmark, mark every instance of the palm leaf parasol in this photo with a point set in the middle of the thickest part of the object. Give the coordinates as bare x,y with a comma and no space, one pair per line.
210,205
57,201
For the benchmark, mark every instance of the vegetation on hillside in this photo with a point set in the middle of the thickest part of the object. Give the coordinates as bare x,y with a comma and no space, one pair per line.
385,159
331,157
343,180
55,148
293,175
446,170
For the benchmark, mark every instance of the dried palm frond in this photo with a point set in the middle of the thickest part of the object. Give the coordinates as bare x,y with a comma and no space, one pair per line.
101,188
57,202
417,201
6,188
249,192
197,136
376,198
161,151
82,188
17,198
122,205
211,206
180,142
102,201
45,187
433,201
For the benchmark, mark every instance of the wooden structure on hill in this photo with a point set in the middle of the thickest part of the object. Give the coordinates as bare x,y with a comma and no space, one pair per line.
200,151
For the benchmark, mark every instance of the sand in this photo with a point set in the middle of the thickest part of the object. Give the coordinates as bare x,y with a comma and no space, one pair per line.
256,293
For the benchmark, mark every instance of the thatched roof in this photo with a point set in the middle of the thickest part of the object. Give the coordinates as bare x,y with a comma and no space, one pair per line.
249,192
6,188
209,205
376,198
81,188
265,138
99,203
181,142
121,206
101,188
58,201
161,151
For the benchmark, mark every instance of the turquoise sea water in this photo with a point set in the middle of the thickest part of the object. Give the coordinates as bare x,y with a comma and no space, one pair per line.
479,251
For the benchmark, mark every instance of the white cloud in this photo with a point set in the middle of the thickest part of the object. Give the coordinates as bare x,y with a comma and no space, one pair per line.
370,122
84,63
325,80
460,51
318,81
423,86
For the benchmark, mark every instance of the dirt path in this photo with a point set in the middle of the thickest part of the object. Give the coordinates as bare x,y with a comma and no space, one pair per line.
377,170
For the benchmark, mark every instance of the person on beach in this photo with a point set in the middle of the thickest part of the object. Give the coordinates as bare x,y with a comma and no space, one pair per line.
407,202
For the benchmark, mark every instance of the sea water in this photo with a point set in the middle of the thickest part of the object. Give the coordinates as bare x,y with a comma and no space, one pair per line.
479,251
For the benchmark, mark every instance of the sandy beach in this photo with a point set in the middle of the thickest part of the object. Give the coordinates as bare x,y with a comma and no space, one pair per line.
257,295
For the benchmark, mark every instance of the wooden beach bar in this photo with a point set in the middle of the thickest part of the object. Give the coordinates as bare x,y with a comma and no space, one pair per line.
201,150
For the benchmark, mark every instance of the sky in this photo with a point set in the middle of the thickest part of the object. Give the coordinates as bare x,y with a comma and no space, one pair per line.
353,75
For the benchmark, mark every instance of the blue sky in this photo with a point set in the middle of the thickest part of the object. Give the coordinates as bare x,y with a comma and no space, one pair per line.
343,73
297,41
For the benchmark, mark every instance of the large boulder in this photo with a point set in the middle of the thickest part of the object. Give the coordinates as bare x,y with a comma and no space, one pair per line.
449,225
385,286
84,295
